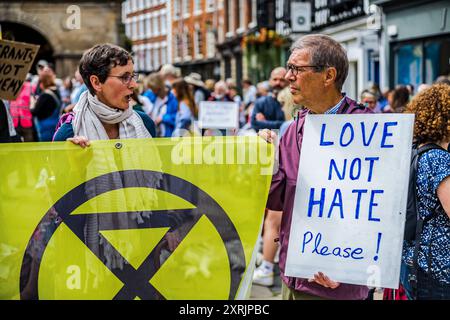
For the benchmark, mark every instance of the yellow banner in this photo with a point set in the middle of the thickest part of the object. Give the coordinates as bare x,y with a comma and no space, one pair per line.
132,219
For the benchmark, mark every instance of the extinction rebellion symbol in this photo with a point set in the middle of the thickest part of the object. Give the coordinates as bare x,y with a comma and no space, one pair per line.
136,281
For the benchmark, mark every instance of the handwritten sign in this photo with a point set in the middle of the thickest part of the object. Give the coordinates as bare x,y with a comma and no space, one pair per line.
16,59
218,115
350,201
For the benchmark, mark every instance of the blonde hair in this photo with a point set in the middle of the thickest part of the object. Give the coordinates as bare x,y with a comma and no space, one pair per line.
287,102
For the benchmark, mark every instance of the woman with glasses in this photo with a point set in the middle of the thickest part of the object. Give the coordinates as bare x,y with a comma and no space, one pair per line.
103,111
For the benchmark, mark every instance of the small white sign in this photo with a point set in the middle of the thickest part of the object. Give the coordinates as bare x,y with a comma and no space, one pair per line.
301,16
218,115
349,208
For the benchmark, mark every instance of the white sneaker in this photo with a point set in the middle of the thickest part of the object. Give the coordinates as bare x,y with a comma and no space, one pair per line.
263,277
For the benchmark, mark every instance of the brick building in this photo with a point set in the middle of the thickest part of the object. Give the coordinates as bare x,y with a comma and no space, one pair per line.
197,26
147,25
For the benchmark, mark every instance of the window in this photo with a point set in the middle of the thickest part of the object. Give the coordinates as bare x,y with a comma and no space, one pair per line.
164,55
177,9
198,41
437,61
128,28
141,27
241,15
156,57
187,44
178,46
148,27
254,9
156,29
197,6
124,12
140,4
186,8
163,24
408,62
148,59
134,30
230,17
210,43
421,61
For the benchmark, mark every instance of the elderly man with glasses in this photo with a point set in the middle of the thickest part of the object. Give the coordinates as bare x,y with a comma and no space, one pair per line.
317,69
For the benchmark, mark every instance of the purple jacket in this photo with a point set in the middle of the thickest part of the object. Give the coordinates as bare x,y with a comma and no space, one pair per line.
281,198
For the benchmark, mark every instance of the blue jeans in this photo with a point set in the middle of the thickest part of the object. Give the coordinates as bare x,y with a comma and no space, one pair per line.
405,270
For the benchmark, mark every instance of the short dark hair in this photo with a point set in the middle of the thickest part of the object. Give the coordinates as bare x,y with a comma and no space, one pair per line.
99,60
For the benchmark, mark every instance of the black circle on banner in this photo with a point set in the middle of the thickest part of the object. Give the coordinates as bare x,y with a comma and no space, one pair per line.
205,205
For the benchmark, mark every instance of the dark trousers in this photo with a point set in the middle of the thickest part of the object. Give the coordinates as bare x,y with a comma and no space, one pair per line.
429,288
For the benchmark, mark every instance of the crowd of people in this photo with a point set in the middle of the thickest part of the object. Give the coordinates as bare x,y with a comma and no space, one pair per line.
170,100
106,99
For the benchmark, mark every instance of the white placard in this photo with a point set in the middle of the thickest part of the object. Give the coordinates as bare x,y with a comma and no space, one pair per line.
218,115
350,201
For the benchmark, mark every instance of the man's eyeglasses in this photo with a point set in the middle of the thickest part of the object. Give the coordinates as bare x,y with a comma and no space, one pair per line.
295,70
126,78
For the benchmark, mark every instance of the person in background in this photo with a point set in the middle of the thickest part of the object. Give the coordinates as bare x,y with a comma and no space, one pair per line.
47,109
220,92
399,99
423,87
262,89
249,92
289,108
267,113
197,87
187,110
169,74
432,126
66,91
410,88
382,101
78,88
139,102
369,99
442,80
233,93
209,84
164,105
42,67
21,113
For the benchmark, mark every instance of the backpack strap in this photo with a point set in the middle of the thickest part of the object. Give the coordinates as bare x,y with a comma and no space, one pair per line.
357,106
412,277
65,118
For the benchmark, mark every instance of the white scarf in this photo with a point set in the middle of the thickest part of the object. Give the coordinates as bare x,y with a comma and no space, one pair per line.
89,115
91,112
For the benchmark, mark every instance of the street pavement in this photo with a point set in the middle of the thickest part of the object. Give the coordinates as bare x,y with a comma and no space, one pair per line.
268,293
